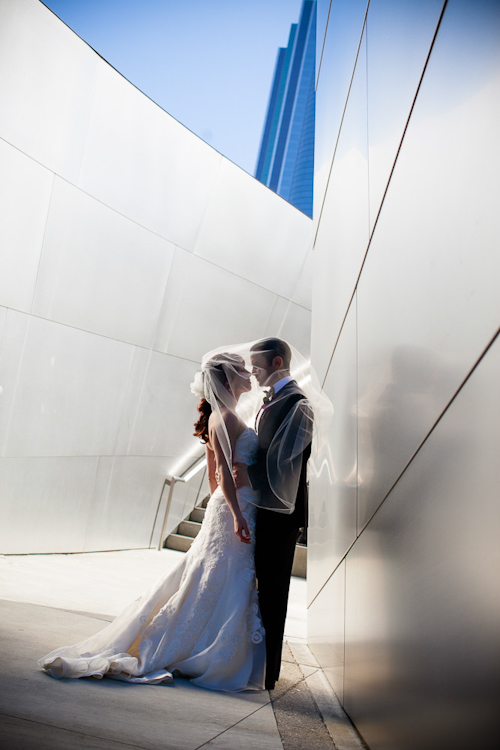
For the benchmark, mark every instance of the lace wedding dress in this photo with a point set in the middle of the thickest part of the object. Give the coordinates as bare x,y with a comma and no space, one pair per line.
200,620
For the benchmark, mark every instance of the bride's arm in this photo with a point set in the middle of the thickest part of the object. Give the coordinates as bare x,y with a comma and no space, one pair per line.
212,481
226,480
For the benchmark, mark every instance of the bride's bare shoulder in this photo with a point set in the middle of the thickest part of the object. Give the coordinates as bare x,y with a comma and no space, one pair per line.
230,420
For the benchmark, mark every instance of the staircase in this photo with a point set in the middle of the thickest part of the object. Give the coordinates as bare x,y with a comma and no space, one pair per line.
182,538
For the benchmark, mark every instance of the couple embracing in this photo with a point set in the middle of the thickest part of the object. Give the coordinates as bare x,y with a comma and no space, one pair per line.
205,619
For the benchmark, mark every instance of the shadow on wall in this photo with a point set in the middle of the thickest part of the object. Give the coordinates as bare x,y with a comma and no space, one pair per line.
393,417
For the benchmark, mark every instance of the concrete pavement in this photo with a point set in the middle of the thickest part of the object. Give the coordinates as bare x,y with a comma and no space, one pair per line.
51,600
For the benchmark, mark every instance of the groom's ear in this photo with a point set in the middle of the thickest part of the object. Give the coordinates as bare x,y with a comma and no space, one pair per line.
277,363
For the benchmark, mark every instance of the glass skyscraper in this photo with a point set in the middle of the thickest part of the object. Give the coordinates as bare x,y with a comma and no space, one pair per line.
286,158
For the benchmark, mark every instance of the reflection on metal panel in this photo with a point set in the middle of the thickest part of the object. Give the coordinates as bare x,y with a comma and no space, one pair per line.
333,492
427,304
325,629
395,62
343,231
343,37
422,596
421,591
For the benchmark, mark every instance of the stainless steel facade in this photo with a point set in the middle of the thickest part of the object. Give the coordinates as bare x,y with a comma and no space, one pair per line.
128,248
404,602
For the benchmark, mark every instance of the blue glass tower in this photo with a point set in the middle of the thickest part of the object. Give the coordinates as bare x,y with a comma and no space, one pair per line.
286,157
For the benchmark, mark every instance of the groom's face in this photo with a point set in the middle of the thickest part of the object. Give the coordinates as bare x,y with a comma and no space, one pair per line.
260,368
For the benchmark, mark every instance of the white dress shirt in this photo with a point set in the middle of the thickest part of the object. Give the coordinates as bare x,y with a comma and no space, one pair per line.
281,383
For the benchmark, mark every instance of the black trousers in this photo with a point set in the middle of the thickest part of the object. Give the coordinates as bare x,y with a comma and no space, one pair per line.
275,538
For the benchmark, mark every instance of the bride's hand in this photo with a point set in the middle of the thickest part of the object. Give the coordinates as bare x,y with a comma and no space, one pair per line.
241,529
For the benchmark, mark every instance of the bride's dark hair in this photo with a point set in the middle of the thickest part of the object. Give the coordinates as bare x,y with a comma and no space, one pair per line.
201,426
218,377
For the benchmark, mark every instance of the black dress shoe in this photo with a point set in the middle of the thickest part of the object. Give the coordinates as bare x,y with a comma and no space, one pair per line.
270,684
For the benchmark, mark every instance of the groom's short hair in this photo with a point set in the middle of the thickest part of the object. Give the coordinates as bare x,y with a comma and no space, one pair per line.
271,348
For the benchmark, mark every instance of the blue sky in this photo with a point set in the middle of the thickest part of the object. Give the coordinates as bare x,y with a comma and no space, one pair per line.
209,63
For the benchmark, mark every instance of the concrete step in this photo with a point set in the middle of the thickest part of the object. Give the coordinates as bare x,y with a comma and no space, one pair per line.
197,515
189,528
204,502
183,543
299,568
179,542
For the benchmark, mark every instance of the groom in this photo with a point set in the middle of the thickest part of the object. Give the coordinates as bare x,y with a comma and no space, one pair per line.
276,532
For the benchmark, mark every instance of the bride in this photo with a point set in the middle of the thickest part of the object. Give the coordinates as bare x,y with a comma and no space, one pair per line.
200,620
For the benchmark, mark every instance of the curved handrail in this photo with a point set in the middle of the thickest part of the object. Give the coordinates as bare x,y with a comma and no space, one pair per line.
199,464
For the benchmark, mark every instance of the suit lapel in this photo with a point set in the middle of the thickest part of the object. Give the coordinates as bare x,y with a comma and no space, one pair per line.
266,415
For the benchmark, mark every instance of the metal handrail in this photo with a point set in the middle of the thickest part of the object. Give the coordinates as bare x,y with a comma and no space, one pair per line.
172,482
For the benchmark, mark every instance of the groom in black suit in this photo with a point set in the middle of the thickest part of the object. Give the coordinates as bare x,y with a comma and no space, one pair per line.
276,532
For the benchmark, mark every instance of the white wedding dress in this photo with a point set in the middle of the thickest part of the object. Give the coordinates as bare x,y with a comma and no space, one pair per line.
200,620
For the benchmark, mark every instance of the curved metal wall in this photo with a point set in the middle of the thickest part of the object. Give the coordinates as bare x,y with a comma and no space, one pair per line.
129,248
404,605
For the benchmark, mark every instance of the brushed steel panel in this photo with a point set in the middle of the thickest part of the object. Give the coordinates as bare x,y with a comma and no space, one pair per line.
422,597
125,502
206,306
165,408
296,328
25,190
45,503
3,318
428,301
343,231
14,332
325,628
252,232
47,80
145,164
69,392
343,36
100,271
333,491
277,316
399,36
291,322
302,291
130,412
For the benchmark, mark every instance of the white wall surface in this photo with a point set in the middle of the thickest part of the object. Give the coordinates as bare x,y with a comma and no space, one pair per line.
129,247
406,316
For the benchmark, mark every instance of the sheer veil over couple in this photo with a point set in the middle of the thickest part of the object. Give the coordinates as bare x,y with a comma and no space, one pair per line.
206,619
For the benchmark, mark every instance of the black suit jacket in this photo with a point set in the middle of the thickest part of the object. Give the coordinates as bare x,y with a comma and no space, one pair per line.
269,423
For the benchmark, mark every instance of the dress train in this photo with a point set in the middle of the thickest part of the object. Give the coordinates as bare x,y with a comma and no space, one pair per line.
200,620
